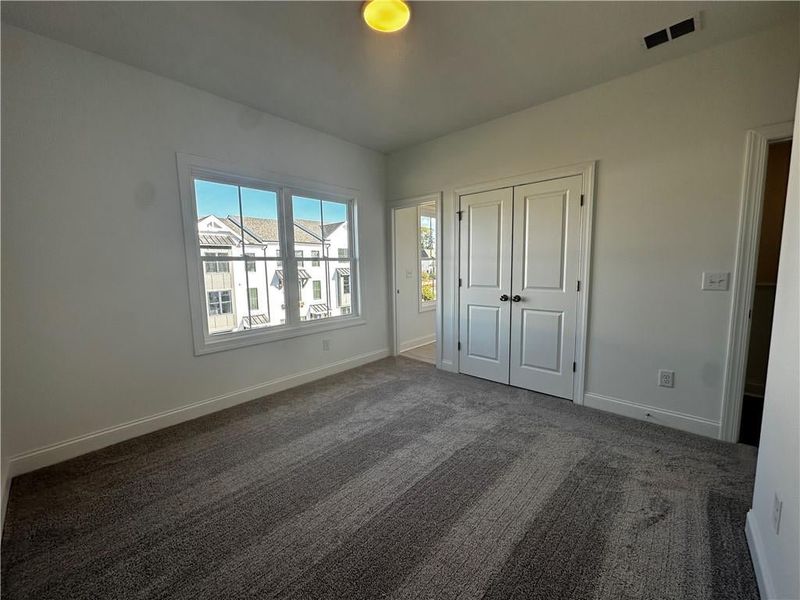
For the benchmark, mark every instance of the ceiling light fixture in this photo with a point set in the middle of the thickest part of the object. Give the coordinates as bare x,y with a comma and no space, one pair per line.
386,16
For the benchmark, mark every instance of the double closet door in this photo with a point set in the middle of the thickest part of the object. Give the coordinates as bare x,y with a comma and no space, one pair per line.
519,255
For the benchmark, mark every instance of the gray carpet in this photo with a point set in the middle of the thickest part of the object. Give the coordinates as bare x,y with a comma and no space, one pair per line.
390,481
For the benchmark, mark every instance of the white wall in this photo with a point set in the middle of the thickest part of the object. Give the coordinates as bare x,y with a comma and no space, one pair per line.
95,299
414,326
669,141
777,556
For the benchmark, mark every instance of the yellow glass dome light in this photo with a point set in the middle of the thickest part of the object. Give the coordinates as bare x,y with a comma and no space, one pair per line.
386,16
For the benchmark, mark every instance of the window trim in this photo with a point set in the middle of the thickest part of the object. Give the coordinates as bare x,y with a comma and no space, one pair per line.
285,186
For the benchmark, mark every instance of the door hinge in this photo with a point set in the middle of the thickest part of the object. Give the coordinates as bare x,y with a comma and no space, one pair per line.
459,346
460,214
459,282
574,367
579,286
581,199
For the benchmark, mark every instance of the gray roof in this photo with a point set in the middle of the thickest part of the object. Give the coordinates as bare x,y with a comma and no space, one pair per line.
255,320
302,274
258,230
217,239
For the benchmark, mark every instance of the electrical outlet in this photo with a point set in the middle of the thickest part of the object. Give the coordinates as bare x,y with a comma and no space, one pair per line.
666,378
777,507
326,345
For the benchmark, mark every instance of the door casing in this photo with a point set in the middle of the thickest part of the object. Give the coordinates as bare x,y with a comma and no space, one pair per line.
744,276
587,171
390,226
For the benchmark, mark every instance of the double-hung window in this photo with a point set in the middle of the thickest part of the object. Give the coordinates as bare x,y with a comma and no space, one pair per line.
246,239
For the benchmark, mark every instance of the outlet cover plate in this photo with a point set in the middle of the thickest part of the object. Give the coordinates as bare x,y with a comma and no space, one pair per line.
666,378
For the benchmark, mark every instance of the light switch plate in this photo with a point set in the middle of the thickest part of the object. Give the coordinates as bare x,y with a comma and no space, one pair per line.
715,281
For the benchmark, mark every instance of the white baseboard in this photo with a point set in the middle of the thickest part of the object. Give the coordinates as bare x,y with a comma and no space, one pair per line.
61,451
6,483
765,587
416,342
448,365
654,415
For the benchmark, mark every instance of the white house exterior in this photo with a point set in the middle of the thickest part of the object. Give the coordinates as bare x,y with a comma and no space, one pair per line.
243,295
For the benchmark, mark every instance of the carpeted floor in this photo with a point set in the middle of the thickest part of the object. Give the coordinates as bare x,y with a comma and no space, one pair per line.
390,481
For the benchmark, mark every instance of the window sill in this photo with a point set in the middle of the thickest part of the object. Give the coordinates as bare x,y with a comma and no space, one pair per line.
222,342
427,306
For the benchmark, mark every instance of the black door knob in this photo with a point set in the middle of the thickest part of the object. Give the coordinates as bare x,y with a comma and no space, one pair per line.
504,298
516,298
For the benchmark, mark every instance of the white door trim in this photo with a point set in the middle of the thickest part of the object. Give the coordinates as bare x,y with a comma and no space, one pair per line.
406,203
750,209
587,170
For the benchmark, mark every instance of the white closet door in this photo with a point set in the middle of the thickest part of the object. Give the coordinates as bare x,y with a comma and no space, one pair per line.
484,317
544,281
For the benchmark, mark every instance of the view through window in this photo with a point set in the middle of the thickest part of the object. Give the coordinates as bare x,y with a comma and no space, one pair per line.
246,261
427,253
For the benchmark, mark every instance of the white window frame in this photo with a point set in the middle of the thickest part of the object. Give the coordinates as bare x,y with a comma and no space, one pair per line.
430,304
285,187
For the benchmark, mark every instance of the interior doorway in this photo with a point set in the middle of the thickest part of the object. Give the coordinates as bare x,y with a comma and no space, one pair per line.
415,270
766,271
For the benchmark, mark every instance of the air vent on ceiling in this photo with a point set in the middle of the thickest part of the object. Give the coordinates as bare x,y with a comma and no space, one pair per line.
656,39
672,32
